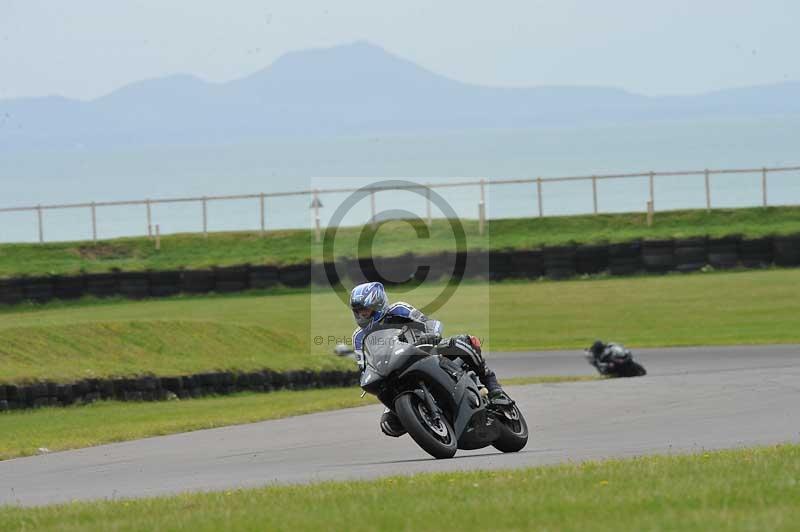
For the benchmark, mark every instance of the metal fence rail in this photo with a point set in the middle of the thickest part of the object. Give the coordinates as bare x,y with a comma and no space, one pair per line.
481,184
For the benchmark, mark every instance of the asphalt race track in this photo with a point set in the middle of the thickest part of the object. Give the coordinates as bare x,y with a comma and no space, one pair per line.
692,399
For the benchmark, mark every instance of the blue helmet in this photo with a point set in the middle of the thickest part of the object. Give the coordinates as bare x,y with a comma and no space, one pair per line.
368,296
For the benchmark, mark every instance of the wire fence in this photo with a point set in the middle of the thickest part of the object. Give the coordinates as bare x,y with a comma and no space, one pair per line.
480,186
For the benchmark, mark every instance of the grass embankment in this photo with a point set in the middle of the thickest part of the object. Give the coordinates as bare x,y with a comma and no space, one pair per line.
24,432
189,335
73,351
748,489
395,238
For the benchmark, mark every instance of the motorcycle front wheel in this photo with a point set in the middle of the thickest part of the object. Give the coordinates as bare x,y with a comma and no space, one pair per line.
631,369
638,369
435,436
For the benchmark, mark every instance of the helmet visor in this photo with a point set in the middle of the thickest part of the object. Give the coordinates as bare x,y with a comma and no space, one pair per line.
363,312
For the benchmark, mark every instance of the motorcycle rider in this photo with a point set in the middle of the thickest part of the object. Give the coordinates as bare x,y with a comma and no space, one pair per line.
602,354
371,307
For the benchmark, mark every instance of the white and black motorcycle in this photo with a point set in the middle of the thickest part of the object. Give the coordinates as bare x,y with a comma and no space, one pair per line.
613,360
440,402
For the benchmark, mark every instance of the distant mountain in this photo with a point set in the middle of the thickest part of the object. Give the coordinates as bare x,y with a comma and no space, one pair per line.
351,89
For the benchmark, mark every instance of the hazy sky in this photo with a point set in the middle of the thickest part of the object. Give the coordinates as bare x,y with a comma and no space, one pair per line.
86,48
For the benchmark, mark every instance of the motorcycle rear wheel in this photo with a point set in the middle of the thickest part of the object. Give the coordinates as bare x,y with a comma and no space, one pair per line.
436,437
513,432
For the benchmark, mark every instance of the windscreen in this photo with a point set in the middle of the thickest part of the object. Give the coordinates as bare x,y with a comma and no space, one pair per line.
617,350
379,346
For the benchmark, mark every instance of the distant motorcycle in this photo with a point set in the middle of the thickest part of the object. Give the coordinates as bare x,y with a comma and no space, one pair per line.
439,401
613,360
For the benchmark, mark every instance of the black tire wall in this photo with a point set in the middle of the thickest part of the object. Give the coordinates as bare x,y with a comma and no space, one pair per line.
756,252
787,250
723,253
625,258
557,262
153,388
691,254
658,256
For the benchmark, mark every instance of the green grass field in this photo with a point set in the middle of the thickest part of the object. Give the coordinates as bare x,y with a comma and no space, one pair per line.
394,238
747,489
193,334
56,429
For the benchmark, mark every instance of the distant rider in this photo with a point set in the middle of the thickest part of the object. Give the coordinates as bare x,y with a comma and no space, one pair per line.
601,354
371,307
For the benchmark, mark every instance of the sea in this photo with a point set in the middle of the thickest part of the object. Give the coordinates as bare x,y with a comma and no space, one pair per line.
273,165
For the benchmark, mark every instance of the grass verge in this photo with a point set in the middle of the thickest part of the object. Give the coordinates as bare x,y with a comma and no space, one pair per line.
393,238
196,334
549,379
111,421
746,489
56,429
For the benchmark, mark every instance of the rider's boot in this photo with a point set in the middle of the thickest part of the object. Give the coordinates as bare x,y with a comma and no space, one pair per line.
390,424
496,394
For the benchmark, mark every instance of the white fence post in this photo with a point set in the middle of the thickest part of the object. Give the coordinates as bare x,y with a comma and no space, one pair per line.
205,217
149,220
41,223
764,186
708,190
372,207
158,238
652,189
594,192
428,203
539,195
482,209
94,223
317,229
261,212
